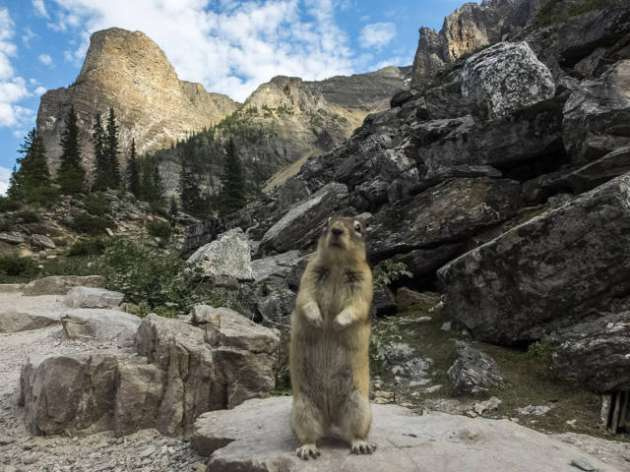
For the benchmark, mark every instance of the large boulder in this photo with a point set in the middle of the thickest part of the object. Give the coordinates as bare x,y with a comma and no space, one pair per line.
443,214
182,371
473,372
279,265
595,354
90,297
228,257
19,313
42,241
256,437
467,147
546,273
504,78
597,113
60,284
100,324
66,394
200,376
301,225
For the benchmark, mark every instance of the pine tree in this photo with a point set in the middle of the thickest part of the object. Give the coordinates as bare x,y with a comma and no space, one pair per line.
71,175
233,192
190,193
101,173
133,172
111,151
31,181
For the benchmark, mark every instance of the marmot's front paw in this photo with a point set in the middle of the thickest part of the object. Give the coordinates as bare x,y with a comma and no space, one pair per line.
313,315
307,451
344,319
360,446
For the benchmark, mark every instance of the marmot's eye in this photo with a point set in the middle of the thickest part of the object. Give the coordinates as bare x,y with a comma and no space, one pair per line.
357,226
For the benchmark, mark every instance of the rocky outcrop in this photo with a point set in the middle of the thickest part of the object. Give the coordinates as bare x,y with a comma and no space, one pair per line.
255,437
100,325
60,284
465,31
597,113
129,72
180,371
302,224
90,297
473,372
548,272
431,218
595,353
228,257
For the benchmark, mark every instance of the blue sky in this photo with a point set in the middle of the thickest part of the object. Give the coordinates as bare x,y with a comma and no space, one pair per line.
229,46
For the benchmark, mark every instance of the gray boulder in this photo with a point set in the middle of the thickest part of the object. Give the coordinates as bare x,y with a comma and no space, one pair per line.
67,394
60,284
42,242
546,273
279,265
445,213
302,223
19,313
473,372
505,78
595,354
90,297
101,325
383,303
12,237
228,257
256,437
597,113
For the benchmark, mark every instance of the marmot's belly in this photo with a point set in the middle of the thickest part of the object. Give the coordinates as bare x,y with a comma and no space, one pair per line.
328,372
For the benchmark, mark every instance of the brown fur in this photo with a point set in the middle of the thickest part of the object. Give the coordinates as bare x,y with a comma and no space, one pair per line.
330,332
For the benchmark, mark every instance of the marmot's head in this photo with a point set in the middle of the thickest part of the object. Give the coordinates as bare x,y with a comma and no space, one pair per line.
343,235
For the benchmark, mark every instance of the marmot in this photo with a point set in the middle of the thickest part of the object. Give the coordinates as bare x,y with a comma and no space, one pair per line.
330,332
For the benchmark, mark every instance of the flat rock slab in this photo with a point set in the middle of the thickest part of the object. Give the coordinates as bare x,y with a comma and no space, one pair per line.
91,297
60,284
18,313
100,324
256,437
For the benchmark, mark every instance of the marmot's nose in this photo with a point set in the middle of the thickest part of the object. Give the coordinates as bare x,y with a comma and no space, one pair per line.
337,231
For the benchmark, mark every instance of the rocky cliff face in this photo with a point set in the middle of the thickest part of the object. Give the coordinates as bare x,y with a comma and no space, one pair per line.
129,72
284,121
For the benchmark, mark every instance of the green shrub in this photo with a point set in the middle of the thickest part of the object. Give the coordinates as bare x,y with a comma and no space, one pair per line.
29,216
87,247
159,229
388,272
6,204
96,204
15,266
88,224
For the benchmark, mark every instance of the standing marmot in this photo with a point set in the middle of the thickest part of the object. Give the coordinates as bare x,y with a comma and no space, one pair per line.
330,332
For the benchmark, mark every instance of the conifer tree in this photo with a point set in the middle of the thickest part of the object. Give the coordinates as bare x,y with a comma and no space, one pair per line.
233,192
111,150
190,193
71,175
101,173
31,181
133,172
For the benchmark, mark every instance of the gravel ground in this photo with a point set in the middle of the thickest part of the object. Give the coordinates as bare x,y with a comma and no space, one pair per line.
144,451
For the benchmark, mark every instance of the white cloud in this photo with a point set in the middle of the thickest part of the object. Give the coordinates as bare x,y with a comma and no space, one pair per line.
40,8
28,36
40,90
5,175
45,59
377,35
232,47
12,87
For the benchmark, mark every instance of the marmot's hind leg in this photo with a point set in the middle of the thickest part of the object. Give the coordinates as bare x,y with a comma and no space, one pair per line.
308,426
355,424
